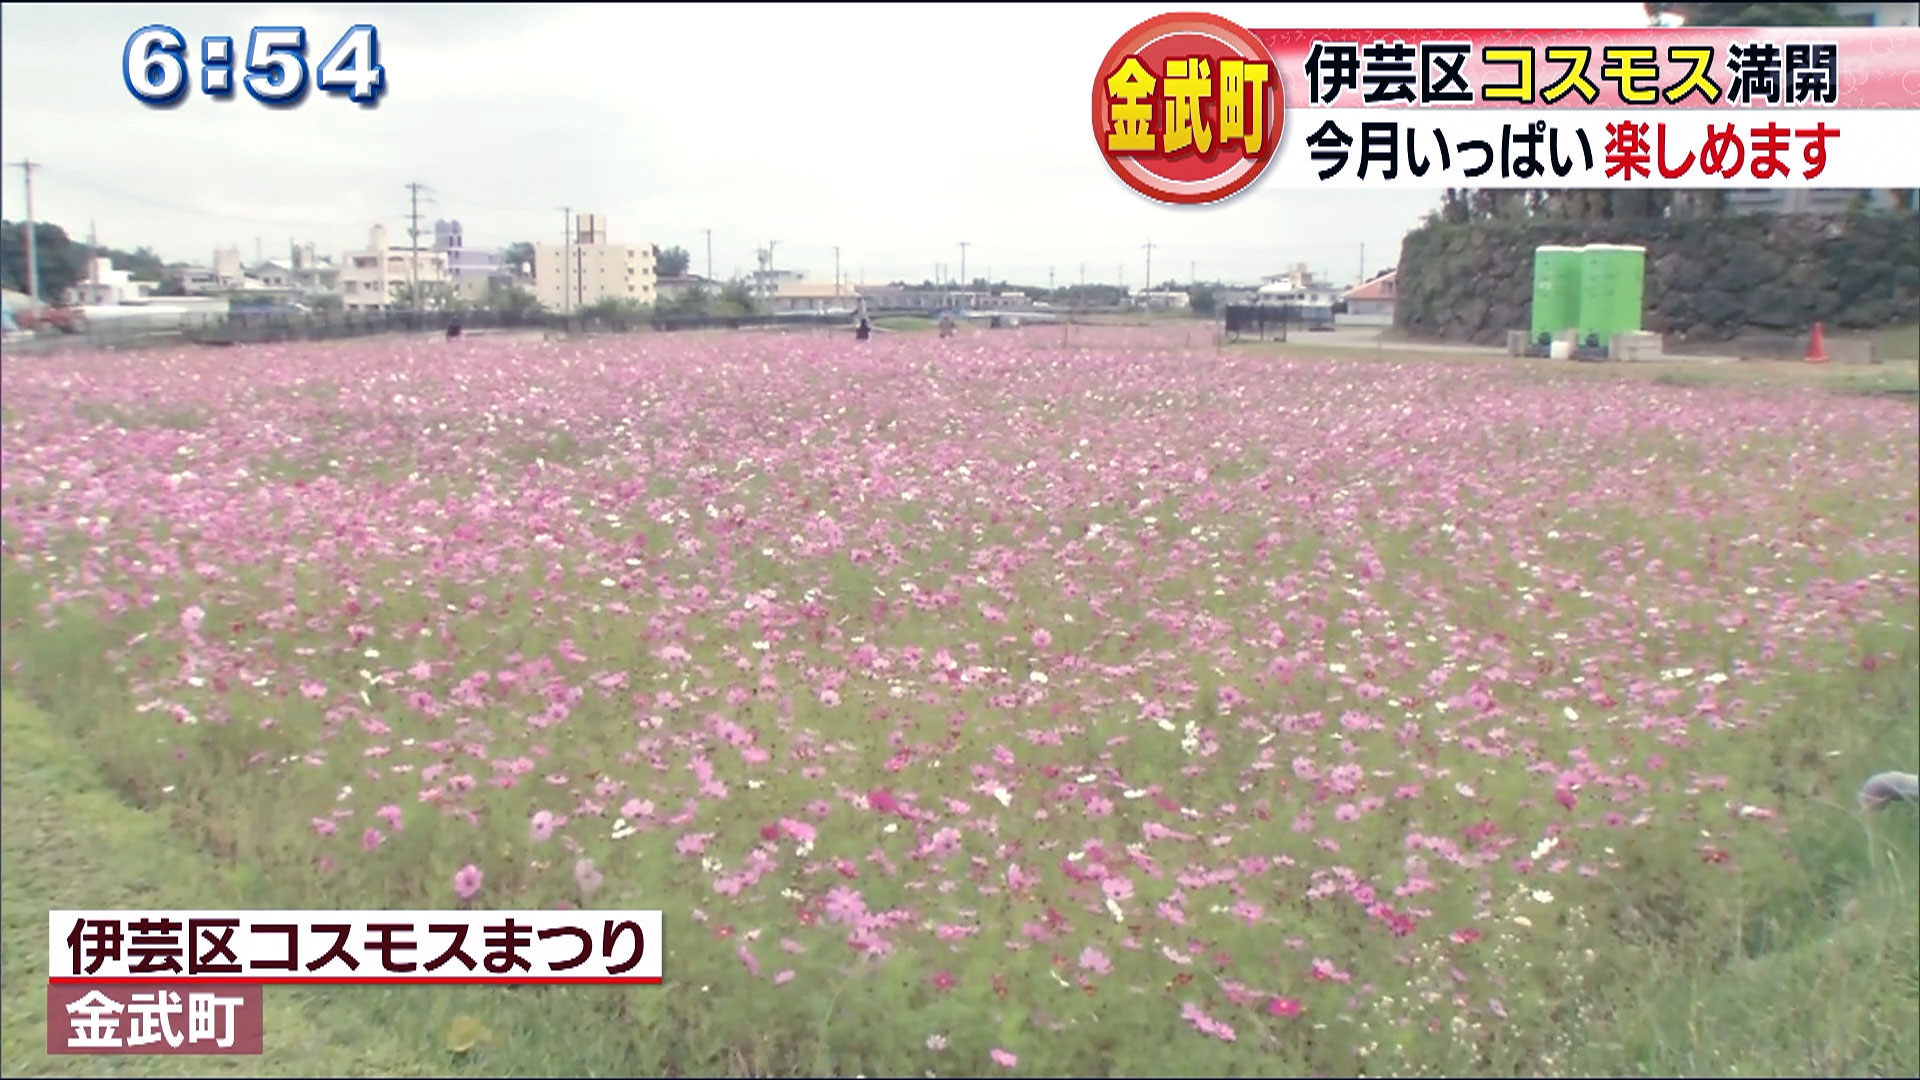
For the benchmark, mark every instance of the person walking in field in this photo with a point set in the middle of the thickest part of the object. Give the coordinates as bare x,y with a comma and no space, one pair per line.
863,331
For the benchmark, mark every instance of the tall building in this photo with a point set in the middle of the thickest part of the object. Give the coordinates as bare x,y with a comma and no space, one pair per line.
374,279
470,270
568,277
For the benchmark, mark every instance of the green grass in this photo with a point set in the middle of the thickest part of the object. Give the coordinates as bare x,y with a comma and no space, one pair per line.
1900,342
70,843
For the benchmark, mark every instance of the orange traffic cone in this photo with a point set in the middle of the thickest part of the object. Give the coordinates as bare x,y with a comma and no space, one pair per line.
1817,345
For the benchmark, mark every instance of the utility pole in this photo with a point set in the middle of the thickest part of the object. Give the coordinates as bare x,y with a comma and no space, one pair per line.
413,242
1149,246
1049,279
1083,275
709,233
33,257
566,258
1193,275
836,272
963,264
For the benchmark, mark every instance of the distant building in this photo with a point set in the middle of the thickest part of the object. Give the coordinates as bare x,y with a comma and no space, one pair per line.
471,270
194,280
670,289
813,296
1298,287
373,279
104,285
568,277
1163,300
228,270
1371,303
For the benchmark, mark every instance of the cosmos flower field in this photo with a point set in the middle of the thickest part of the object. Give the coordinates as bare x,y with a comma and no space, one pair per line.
988,705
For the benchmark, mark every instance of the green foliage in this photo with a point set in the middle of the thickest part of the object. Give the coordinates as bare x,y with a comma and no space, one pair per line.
1750,14
671,262
62,264
518,255
1707,278
736,299
512,301
618,308
1203,300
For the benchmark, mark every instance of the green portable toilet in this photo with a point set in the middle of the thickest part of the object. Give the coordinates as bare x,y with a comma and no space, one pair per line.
1612,285
1556,291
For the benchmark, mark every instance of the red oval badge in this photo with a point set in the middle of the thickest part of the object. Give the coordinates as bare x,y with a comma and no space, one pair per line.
1187,108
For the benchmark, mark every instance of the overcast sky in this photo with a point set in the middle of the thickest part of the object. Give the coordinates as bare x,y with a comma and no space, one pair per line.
893,131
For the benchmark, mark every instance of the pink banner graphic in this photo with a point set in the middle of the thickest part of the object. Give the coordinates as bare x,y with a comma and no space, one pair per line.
1651,69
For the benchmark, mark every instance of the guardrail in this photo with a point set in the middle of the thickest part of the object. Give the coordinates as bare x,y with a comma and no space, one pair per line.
254,328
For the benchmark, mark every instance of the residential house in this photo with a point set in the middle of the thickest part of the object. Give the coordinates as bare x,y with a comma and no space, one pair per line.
1163,300
1297,286
472,270
104,285
811,296
273,273
375,279
669,289
568,277
1370,303
195,280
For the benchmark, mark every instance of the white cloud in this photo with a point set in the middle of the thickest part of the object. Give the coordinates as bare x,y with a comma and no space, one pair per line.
893,131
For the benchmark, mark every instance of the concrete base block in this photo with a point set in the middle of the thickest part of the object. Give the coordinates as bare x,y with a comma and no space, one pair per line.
1636,346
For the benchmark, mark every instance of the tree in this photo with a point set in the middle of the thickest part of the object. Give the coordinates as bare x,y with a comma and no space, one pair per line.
1203,300
512,302
618,308
735,298
694,301
61,263
1749,14
672,262
518,255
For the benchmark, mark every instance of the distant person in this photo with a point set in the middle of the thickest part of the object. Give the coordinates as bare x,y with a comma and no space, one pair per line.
946,324
453,330
863,331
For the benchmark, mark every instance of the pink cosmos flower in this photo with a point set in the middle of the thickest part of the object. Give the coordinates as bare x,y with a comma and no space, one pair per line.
541,826
466,881
586,876
1284,1006
1004,1059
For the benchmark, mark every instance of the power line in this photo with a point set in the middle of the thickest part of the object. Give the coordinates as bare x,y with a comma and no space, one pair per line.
69,180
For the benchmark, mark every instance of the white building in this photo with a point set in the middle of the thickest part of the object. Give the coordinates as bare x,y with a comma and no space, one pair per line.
1372,302
104,285
568,277
814,296
1163,300
375,279
228,270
